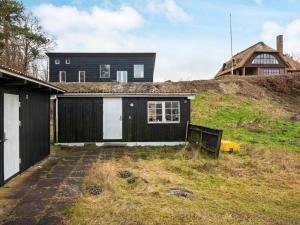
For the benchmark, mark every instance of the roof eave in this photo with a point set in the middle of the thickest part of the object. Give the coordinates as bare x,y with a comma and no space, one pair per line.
27,78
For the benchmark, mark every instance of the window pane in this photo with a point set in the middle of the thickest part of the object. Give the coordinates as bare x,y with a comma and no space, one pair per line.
175,111
159,105
168,104
138,71
158,118
152,118
265,59
175,117
62,75
168,111
81,76
168,117
174,104
152,105
104,71
271,71
159,111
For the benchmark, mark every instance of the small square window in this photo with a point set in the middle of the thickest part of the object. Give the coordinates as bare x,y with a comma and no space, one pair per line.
62,76
138,71
68,61
57,61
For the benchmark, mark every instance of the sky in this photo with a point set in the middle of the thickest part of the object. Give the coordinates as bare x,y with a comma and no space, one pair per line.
191,37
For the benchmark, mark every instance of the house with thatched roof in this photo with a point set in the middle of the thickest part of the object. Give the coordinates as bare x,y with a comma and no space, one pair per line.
260,59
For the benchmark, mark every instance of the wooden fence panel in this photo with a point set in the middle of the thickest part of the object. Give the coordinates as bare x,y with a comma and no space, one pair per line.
208,139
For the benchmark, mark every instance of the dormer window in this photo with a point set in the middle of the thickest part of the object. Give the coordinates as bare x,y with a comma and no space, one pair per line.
57,61
265,59
68,61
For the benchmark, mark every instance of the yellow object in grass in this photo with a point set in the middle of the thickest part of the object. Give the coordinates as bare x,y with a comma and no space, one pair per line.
229,146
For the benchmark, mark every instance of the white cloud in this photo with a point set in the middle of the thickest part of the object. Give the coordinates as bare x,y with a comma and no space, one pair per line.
69,17
291,34
121,30
170,9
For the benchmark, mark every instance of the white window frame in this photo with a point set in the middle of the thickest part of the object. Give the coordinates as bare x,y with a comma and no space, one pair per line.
164,121
79,76
57,61
101,70
271,71
121,73
134,69
60,81
68,61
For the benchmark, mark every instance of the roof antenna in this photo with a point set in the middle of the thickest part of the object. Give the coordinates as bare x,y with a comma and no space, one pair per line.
231,44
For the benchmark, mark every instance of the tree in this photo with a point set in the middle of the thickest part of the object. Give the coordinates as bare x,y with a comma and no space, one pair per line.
23,40
11,13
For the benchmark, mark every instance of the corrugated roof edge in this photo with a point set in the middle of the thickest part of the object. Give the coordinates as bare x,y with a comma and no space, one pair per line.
15,73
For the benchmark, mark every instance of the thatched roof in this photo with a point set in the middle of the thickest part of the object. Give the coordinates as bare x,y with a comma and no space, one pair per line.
242,57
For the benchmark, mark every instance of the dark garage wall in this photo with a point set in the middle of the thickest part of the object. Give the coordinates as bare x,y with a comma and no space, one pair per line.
80,120
138,129
35,127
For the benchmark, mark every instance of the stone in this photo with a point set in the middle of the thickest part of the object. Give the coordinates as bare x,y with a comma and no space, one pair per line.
180,192
124,174
94,189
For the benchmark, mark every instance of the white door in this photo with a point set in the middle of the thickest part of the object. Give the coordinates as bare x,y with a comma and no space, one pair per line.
122,76
112,118
11,135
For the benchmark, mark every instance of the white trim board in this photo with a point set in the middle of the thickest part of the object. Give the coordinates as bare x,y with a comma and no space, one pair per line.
118,95
128,144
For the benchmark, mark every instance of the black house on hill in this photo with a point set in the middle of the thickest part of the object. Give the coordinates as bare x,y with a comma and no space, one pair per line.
101,67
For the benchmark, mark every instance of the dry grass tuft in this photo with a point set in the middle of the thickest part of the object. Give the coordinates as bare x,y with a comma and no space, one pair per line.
102,175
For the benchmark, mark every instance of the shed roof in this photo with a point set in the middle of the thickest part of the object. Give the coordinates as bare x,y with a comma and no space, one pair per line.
14,77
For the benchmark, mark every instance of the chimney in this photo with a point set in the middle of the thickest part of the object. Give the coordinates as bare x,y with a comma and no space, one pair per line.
279,43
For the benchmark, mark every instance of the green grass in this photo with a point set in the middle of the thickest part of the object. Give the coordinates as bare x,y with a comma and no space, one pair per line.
263,122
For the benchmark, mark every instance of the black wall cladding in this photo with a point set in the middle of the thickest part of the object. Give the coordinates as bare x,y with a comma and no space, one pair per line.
35,125
90,63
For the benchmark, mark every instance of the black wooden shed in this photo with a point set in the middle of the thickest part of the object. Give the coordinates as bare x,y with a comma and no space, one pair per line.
122,115
24,121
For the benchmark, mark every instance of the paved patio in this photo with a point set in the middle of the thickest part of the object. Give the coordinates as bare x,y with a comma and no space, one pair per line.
41,194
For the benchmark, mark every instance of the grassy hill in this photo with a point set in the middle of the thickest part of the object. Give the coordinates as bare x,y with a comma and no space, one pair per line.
250,113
